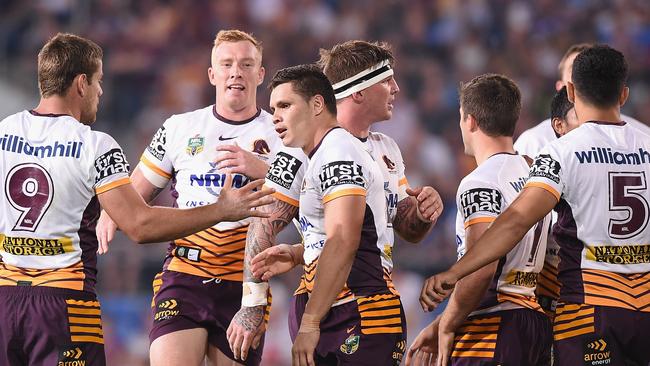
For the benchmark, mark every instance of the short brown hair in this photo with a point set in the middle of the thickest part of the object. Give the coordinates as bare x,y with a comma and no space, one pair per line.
347,59
235,35
576,48
64,57
307,81
494,101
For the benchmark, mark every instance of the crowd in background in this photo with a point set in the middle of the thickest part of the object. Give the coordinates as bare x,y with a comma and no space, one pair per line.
156,57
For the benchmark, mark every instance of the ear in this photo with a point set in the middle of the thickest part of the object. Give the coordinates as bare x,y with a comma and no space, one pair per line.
358,97
472,123
318,104
81,84
625,93
557,125
260,75
571,92
558,85
211,76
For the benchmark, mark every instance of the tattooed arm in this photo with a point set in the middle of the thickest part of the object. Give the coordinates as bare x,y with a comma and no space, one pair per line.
417,213
247,326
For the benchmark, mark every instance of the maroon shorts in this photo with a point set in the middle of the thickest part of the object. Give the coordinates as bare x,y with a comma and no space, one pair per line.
369,331
44,326
600,335
184,301
509,338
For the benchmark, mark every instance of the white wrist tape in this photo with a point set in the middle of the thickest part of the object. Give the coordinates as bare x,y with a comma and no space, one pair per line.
254,294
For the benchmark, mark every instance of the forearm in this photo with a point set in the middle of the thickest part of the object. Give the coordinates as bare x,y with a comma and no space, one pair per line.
407,222
158,224
334,265
145,189
262,232
466,297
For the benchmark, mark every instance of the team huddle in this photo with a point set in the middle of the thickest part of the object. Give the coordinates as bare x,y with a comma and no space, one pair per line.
551,231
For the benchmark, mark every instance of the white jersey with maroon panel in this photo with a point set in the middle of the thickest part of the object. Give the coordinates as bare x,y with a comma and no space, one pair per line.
482,196
184,151
599,172
52,168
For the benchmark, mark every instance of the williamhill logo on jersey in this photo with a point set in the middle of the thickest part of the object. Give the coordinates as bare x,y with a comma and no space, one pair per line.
111,162
546,167
157,145
283,170
480,200
341,172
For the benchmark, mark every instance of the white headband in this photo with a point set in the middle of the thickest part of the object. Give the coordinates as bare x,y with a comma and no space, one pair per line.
363,80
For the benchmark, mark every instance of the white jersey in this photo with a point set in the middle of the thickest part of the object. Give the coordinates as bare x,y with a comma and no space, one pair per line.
598,172
184,151
482,196
52,168
288,170
531,141
341,166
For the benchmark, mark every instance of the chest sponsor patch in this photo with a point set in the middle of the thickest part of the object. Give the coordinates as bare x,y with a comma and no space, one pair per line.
545,166
111,162
283,170
476,200
341,172
157,145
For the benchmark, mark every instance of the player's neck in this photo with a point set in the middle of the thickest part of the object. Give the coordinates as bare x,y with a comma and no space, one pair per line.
236,114
489,146
354,122
321,129
58,105
588,113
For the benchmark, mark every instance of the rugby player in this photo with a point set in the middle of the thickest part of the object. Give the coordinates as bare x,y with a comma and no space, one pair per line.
492,315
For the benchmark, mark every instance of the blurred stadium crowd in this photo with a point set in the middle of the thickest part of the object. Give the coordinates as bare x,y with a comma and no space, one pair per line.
155,65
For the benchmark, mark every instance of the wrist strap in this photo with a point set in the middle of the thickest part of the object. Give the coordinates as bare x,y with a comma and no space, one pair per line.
254,294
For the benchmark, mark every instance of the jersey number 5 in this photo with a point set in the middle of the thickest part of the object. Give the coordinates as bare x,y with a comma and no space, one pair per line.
626,195
30,190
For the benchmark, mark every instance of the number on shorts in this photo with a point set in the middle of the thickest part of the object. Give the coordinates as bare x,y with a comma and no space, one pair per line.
30,190
626,194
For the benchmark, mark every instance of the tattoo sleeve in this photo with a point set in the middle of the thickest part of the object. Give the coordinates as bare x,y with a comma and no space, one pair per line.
262,232
407,223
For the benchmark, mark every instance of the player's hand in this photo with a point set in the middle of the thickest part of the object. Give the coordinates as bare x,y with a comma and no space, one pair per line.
239,203
429,203
436,289
304,347
238,160
276,260
424,350
245,330
445,345
105,232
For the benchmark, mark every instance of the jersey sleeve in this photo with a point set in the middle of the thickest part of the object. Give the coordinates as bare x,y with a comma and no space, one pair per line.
478,202
402,183
111,168
155,162
342,174
286,174
546,172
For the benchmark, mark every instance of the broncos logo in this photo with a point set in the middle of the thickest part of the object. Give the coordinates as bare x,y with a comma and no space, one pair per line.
389,163
261,147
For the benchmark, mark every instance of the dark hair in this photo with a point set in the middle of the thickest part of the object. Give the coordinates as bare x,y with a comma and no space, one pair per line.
494,101
64,57
560,104
349,58
307,80
599,74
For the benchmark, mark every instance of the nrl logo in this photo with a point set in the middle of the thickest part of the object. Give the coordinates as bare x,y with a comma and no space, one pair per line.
195,145
350,345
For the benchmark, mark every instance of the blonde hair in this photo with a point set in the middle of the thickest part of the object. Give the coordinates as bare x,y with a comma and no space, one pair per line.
235,35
